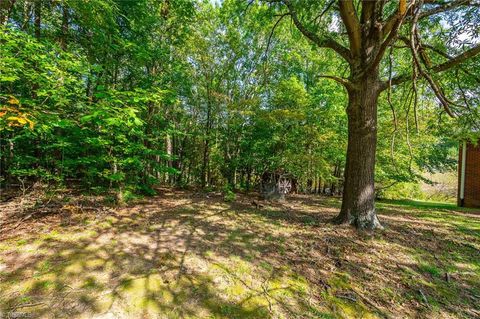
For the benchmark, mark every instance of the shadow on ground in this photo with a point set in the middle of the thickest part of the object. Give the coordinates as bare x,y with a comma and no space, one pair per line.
181,255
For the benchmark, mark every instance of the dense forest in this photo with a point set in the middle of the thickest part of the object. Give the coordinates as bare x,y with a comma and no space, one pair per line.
120,96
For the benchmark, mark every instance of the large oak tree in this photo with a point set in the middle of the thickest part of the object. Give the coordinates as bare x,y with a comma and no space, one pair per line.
363,33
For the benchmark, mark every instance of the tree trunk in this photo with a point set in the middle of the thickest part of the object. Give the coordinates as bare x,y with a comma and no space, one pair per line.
169,145
206,149
358,205
38,18
205,162
6,8
64,31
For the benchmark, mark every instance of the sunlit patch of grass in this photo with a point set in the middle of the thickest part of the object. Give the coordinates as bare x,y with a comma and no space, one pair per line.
430,269
74,267
104,225
43,285
289,285
344,308
340,280
343,302
196,297
5,246
91,283
21,242
260,285
145,293
43,267
266,266
25,299
388,293
439,280
249,309
49,236
416,204
93,263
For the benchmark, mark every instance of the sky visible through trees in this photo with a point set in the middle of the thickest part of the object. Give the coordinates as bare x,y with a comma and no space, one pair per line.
363,99
237,158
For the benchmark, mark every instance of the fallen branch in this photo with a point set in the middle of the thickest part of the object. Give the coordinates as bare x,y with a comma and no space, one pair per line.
371,304
424,298
348,297
28,305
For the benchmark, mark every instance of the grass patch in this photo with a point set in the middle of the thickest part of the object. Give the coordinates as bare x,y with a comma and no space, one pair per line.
214,259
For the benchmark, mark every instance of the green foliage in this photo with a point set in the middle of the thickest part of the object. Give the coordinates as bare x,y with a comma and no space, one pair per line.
228,195
66,115
116,95
402,191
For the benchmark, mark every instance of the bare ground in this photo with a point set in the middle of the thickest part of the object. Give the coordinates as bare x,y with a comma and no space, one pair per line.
191,255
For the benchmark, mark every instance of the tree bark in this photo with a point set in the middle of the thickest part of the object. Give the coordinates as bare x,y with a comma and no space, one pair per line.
206,149
6,8
358,205
38,18
64,31
169,149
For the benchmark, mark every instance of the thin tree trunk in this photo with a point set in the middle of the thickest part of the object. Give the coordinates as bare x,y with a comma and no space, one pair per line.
6,8
358,205
206,149
64,35
249,177
38,18
168,142
180,165
27,15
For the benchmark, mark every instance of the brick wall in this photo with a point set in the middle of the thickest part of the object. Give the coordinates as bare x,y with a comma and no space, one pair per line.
472,175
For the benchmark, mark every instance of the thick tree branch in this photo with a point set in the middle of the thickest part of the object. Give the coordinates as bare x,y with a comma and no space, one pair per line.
441,53
442,7
320,42
345,82
368,10
398,20
446,6
393,21
470,53
455,61
419,55
395,18
350,20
